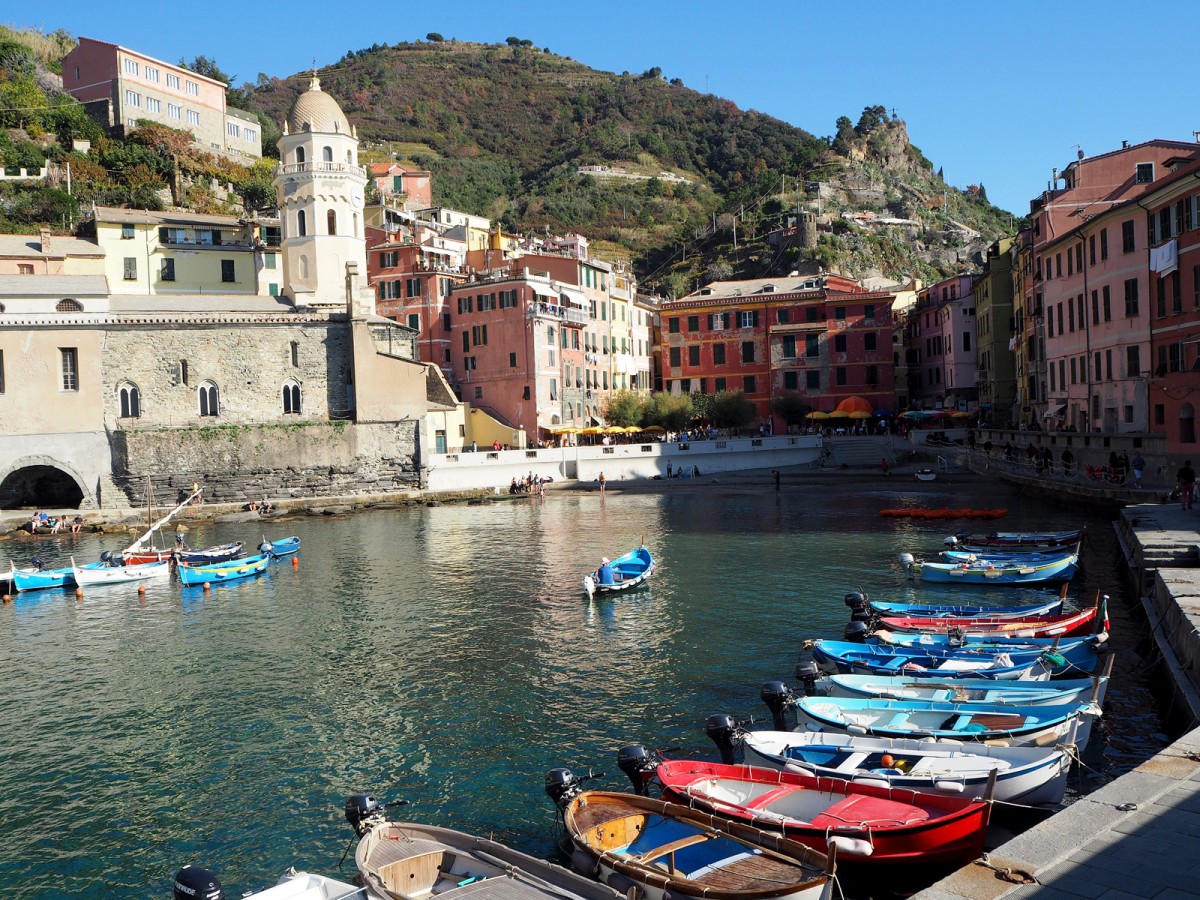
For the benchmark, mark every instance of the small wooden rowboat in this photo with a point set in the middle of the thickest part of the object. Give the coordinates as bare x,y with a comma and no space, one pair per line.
893,826
1039,726
282,547
39,578
1029,775
87,577
933,661
210,555
667,850
622,574
1016,540
1045,608
219,573
1072,655
412,861
1065,625
1044,571
201,884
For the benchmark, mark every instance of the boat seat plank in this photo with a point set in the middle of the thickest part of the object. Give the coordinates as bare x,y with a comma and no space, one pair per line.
686,841
751,873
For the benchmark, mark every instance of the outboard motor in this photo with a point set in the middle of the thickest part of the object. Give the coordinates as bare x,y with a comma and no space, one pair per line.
638,765
807,674
106,557
265,549
362,812
856,631
951,542
38,563
561,787
723,730
196,883
855,599
776,695
862,614
907,560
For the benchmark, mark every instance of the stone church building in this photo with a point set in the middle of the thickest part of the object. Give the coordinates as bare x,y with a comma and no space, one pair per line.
309,392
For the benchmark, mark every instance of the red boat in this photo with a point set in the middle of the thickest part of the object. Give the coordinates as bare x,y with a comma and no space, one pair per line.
882,825
1065,625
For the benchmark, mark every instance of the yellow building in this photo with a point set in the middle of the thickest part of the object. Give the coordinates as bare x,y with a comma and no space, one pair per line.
186,253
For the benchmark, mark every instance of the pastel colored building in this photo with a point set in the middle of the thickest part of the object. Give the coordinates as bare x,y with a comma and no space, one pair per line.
148,252
49,254
821,336
409,187
120,86
995,327
942,366
1172,213
1089,294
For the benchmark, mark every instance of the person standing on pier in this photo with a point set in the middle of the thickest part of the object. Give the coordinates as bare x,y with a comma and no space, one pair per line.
1187,484
1139,466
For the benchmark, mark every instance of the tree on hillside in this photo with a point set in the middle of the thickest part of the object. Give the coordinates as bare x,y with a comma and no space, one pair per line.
845,134
872,117
202,65
434,37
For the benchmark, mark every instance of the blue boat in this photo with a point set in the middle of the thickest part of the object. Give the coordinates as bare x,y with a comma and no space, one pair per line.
971,556
967,690
1079,652
39,578
931,611
622,574
1052,569
282,547
1009,661
218,573
1018,725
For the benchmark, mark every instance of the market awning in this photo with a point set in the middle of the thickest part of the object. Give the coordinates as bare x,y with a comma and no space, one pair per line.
1054,410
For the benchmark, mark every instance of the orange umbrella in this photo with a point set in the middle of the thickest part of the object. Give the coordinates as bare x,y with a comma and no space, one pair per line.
855,404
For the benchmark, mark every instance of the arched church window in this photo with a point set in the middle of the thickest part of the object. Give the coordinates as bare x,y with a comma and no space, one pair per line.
210,399
131,401
327,154
299,155
301,223
291,396
331,222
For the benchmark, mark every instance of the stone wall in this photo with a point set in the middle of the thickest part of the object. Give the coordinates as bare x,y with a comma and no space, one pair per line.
236,463
249,362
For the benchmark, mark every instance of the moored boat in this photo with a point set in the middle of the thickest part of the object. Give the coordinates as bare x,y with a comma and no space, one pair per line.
932,610
1041,726
217,573
209,555
108,574
1043,626
197,883
622,574
282,547
1051,569
937,661
39,578
1072,655
1029,775
967,690
666,850
894,826
411,861
1013,540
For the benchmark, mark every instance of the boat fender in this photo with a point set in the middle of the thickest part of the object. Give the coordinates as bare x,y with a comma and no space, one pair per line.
584,863
196,883
856,729
623,884
851,846
949,787
798,769
997,742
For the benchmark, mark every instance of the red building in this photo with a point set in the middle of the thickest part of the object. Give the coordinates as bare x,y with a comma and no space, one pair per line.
411,188
1173,227
820,336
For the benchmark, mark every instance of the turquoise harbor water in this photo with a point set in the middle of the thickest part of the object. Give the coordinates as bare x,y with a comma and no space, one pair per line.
444,655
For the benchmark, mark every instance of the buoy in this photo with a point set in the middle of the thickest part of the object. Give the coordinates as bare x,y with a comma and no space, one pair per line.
141,589
206,589
8,598
295,563
78,593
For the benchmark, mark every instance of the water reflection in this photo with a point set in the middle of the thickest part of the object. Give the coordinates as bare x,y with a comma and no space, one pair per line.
446,655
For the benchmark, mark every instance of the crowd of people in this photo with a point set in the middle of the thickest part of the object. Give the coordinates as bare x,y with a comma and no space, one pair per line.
54,524
530,484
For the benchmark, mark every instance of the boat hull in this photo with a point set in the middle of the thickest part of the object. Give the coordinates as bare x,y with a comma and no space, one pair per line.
967,690
629,571
1047,608
210,555
122,574
1051,571
901,827
1042,626
235,570
1029,775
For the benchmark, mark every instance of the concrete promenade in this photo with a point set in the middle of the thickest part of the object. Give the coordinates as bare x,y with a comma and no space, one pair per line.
1139,836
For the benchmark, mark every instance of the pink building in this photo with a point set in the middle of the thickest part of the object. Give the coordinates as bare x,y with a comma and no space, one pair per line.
941,349
120,86
1090,289
412,188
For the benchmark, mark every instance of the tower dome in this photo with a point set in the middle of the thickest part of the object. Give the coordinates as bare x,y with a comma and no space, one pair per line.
315,110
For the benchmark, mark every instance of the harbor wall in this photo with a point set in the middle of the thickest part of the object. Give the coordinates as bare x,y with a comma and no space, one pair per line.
618,462
237,463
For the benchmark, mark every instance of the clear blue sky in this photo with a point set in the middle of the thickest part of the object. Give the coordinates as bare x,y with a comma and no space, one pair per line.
997,94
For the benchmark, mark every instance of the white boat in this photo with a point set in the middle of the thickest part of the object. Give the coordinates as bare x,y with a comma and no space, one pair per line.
926,475
87,577
196,883
1029,775
410,861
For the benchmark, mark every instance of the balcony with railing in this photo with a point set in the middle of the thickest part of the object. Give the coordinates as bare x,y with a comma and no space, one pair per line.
320,166
568,315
